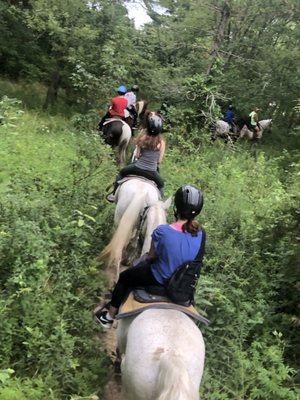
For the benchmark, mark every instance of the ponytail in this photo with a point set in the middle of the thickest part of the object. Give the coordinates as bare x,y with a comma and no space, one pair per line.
191,226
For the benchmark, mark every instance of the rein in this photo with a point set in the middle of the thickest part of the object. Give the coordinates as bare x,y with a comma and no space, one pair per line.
142,219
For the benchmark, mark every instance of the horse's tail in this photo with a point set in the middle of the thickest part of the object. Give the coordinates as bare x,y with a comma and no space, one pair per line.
113,251
173,379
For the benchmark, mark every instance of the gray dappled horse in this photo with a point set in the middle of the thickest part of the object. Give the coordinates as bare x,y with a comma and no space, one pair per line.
222,130
162,351
162,355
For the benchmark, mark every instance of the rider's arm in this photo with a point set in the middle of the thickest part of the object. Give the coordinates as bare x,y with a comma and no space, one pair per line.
162,151
152,254
138,152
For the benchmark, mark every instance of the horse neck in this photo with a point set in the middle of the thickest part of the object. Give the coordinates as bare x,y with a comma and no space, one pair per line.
264,123
156,216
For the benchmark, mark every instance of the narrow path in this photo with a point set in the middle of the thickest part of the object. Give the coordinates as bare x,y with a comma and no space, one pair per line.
108,340
113,388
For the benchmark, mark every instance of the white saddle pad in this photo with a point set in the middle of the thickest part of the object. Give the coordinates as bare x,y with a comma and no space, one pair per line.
141,178
108,121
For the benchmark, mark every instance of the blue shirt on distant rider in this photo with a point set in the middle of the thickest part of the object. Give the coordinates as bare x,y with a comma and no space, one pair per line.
229,116
173,248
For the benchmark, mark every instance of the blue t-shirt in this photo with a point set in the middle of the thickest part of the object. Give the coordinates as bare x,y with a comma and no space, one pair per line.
173,248
229,116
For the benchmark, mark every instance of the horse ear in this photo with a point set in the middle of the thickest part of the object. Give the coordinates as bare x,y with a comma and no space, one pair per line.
167,203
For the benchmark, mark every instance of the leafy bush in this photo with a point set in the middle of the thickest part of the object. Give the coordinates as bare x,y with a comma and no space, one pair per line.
54,220
248,212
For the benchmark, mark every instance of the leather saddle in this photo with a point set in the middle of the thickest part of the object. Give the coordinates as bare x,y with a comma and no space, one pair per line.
153,294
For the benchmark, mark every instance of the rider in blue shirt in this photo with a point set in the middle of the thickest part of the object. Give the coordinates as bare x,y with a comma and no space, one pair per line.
171,246
229,116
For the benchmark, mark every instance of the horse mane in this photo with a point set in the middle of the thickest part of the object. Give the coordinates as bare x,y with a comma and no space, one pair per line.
113,251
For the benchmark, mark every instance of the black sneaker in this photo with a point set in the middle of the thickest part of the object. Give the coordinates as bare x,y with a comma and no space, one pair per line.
101,318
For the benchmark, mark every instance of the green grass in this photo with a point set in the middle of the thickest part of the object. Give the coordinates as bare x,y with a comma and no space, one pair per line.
31,94
39,146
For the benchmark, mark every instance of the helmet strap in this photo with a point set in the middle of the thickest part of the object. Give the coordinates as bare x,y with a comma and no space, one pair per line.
175,213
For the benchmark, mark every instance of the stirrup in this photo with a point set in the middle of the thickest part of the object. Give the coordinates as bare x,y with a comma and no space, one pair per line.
111,197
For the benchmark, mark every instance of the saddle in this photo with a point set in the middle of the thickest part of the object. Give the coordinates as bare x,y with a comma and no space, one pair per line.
141,300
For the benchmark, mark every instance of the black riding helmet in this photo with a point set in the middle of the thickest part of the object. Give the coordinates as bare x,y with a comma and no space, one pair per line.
188,202
135,88
154,125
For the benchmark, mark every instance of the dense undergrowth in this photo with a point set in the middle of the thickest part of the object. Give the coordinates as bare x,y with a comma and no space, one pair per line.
54,220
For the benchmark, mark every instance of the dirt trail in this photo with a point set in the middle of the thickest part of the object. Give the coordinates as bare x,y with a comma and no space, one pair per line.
113,390
108,340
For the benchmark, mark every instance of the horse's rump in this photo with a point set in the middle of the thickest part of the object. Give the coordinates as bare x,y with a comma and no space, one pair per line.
112,131
168,361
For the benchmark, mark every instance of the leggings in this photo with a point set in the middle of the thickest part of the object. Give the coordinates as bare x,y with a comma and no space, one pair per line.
131,169
133,277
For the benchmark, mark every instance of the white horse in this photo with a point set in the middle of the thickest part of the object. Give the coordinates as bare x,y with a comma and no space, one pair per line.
134,196
222,130
162,356
264,125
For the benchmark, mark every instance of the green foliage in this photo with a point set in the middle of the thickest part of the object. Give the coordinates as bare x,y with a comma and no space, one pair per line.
248,214
54,220
9,111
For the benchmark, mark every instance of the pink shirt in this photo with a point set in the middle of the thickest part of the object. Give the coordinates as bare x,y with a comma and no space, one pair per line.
177,226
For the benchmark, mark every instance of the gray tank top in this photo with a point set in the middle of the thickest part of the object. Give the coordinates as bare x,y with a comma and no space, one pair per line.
148,159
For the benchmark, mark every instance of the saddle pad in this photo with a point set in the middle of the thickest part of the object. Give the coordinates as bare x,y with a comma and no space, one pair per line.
109,120
141,178
131,308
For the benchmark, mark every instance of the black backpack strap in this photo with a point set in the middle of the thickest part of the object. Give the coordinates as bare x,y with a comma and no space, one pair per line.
200,254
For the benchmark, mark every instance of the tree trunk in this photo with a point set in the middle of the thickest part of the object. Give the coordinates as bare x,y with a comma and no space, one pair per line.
219,35
52,92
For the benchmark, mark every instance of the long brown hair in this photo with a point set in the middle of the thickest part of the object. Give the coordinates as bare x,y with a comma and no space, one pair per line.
191,226
144,141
